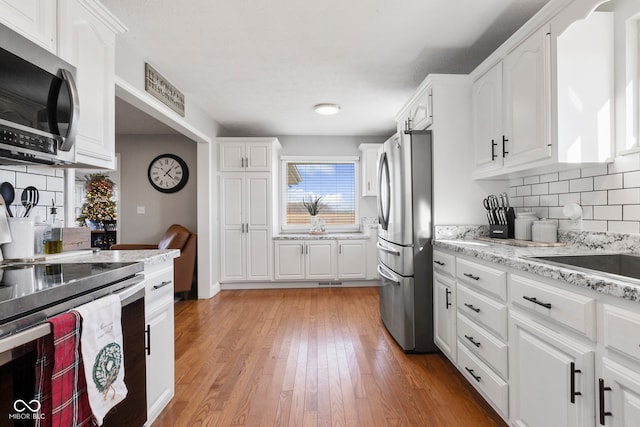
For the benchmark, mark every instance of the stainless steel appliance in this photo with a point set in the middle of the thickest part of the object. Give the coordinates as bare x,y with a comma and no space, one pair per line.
31,293
405,230
38,104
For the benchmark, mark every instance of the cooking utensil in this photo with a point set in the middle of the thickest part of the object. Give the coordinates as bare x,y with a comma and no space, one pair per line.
30,198
8,194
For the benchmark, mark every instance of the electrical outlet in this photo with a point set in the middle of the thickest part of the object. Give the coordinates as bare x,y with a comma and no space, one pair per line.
140,210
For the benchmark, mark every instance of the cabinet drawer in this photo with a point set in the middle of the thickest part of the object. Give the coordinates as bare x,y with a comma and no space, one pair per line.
621,331
481,376
484,310
444,263
484,345
159,288
570,309
489,280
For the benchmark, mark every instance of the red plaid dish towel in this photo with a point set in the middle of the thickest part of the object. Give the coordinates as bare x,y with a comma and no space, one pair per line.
60,383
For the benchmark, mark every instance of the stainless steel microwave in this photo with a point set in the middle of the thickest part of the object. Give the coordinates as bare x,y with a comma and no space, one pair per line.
38,104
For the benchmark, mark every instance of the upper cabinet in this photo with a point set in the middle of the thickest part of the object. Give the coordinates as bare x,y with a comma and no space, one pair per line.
34,19
544,99
417,114
86,39
245,154
369,168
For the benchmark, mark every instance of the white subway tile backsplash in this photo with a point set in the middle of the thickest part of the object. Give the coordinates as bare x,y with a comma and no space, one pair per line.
566,198
587,212
8,176
524,190
556,212
594,170
570,174
40,170
628,227
593,198
613,213
540,189
550,177
55,183
532,179
627,163
542,212
632,179
595,226
512,192
558,187
24,180
531,201
516,202
515,182
549,200
581,184
607,182
627,196
631,213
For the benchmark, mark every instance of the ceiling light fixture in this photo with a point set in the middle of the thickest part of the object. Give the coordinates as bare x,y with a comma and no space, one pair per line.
326,109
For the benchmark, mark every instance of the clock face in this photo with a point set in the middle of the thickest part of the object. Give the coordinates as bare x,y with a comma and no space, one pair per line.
168,173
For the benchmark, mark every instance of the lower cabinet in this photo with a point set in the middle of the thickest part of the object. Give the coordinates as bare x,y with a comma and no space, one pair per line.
618,395
159,337
444,315
551,377
352,259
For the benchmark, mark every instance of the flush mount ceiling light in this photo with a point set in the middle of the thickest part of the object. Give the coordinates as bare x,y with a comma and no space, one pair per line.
326,109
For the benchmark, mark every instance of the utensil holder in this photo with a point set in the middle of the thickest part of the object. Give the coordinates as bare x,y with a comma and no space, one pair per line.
22,245
504,231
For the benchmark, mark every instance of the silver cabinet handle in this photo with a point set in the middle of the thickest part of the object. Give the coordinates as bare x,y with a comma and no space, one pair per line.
383,248
163,284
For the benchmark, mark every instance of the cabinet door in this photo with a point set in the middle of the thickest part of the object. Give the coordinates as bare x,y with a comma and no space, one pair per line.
422,111
622,399
547,371
289,260
257,228
527,100
352,259
444,315
232,156
369,170
320,262
34,19
232,241
487,120
89,44
258,156
160,360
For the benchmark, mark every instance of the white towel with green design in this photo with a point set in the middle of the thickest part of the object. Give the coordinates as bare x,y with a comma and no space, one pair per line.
102,354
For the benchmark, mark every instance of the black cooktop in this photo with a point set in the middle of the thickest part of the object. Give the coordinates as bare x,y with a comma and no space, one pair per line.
27,288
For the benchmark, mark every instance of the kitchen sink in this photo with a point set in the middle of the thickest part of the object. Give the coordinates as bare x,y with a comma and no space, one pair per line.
624,265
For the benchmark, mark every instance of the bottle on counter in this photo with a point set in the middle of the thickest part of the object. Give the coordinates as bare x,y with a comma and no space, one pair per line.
53,232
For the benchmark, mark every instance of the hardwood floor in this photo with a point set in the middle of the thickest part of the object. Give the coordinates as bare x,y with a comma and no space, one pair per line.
308,357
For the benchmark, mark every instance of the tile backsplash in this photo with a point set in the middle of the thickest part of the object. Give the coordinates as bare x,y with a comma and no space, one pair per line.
608,193
48,181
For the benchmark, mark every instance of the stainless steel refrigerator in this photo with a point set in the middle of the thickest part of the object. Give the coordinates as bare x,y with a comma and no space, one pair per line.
405,253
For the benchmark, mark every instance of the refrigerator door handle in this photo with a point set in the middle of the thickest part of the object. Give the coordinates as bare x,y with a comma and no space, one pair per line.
384,192
388,275
383,248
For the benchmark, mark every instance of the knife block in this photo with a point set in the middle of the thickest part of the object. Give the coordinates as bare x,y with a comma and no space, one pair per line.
504,231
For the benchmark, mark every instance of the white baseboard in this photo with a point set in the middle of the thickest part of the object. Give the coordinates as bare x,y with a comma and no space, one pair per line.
298,285
213,290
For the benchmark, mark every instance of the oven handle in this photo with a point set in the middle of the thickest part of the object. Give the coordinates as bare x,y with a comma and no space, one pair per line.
127,296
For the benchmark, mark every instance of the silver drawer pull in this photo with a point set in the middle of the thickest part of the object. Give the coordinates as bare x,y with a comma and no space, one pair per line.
163,284
471,307
471,276
535,301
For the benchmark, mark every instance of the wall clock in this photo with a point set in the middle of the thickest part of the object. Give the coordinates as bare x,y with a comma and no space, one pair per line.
168,173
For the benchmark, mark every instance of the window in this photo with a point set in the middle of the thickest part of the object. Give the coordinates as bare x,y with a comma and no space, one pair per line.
332,180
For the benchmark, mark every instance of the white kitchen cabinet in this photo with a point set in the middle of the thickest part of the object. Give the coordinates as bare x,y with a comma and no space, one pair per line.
487,120
86,38
551,376
159,313
555,107
369,168
305,260
417,114
245,237
618,395
444,314
34,19
246,154
352,259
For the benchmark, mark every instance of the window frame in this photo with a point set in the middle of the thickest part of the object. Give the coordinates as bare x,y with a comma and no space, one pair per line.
304,228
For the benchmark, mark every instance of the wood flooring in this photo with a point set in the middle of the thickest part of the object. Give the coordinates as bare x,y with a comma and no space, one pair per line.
308,357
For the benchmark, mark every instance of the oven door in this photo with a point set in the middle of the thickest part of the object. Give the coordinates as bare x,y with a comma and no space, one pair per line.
396,306
18,358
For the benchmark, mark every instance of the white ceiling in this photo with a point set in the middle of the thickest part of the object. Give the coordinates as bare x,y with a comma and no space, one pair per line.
258,66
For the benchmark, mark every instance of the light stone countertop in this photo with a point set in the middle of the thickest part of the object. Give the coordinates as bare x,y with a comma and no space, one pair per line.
516,258
148,256
327,236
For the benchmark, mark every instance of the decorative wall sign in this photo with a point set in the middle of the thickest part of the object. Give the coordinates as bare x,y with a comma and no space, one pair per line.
160,88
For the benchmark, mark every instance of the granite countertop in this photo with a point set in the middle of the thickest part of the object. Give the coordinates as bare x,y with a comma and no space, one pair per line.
148,256
327,236
516,258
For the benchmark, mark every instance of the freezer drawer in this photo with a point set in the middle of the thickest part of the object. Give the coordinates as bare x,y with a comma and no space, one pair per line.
397,306
395,257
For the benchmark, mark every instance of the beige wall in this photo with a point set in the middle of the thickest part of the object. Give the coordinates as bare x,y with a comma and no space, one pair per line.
161,210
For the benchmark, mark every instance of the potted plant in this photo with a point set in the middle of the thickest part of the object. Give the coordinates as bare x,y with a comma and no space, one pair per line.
313,207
